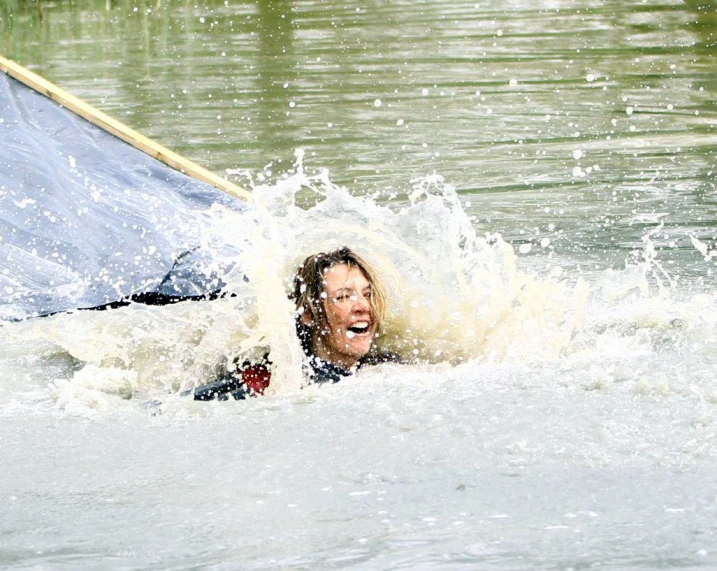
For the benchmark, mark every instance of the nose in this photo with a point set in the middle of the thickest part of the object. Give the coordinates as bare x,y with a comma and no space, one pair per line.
361,303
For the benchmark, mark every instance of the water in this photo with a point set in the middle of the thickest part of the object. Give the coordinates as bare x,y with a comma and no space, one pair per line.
537,185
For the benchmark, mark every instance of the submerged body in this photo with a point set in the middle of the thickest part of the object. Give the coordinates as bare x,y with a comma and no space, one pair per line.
254,378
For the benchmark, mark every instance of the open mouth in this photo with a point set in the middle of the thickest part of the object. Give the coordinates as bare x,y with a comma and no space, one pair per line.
360,328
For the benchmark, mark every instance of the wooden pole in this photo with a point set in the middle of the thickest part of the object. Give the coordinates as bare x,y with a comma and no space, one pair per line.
118,129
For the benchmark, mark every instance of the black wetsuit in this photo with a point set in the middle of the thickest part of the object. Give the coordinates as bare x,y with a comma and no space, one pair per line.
252,379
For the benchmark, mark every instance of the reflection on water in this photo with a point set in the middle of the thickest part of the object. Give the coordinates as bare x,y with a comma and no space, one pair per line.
572,122
580,124
705,23
275,73
310,74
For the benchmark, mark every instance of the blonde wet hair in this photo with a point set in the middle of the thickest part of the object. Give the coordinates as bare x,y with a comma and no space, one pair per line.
309,285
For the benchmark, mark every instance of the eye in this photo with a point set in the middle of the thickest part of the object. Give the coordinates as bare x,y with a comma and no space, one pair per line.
342,297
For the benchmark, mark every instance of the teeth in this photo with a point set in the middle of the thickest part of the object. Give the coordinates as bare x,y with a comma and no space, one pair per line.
358,328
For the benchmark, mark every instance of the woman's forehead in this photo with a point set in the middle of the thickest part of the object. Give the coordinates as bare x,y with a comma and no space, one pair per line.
345,276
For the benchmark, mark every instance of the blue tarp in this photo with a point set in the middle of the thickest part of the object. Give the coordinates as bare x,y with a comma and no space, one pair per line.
85,218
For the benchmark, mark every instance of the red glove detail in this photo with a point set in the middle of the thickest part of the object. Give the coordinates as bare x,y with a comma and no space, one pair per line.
257,378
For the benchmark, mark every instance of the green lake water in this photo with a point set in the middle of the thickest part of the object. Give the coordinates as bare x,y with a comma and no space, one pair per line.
606,108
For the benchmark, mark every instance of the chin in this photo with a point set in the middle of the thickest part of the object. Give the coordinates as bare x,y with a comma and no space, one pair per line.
359,349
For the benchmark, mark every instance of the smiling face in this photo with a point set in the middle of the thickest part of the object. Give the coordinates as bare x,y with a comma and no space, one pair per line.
340,306
350,321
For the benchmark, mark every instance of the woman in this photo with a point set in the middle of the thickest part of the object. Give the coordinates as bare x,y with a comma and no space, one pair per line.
340,308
